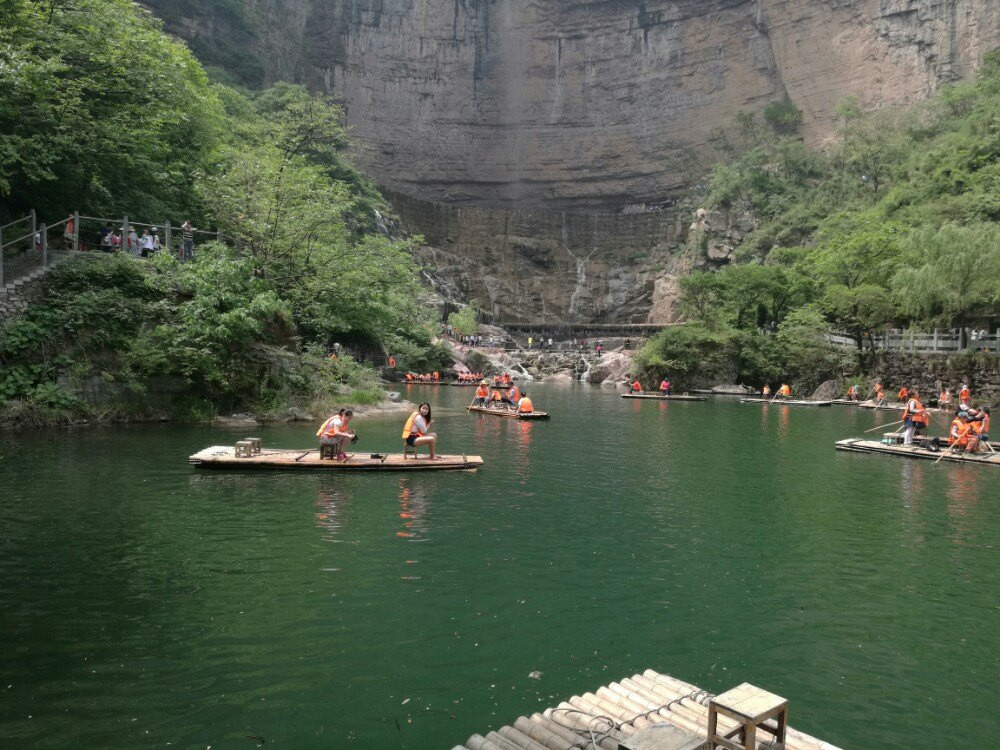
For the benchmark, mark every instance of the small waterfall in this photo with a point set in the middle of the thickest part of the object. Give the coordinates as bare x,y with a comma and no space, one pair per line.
585,377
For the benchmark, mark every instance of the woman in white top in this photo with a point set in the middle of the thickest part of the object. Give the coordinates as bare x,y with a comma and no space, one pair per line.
147,243
417,429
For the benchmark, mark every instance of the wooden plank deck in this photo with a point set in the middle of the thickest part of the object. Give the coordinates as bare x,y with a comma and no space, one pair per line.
658,397
614,713
861,445
787,402
223,457
509,413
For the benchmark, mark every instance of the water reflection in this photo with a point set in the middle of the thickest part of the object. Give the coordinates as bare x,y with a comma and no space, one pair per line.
332,513
963,497
522,469
413,506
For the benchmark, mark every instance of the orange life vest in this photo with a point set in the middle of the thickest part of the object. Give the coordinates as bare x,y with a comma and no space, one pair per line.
496,396
482,392
436,375
327,429
514,394
785,390
408,429
959,432
392,361
525,406
636,386
766,390
982,426
918,414
903,393
963,395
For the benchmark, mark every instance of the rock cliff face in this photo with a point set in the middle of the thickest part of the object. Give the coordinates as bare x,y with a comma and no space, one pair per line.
513,115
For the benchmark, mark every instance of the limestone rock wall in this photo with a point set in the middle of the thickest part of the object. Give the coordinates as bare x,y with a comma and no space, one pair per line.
590,104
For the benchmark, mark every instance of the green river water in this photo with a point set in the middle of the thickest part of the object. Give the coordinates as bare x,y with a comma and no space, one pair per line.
144,603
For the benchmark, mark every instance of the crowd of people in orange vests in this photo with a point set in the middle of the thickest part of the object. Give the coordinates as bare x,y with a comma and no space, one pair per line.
426,377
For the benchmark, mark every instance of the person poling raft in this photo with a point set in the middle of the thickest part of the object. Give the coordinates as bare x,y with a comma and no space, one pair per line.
967,440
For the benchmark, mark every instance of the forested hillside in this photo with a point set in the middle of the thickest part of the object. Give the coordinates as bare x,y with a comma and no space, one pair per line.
895,222
102,112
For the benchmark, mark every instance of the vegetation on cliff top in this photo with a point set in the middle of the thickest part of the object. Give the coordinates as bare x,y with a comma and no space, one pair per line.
102,112
895,222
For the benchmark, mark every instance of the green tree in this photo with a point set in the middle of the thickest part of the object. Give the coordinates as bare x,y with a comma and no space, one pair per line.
950,275
464,321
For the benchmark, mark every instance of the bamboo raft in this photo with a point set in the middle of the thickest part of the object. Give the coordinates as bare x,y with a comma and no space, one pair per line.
224,457
861,445
658,397
509,413
633,705
463,385
786,402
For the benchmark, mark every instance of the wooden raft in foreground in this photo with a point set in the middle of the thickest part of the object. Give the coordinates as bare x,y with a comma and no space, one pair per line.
785,402
633,705
509,413
224,457
658,397
860,445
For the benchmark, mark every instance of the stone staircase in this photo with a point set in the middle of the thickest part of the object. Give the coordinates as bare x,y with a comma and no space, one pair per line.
17,295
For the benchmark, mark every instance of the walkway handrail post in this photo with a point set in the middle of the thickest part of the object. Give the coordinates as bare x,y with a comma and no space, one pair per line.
34,226
166,233
124,246
1,258
45,246
76,231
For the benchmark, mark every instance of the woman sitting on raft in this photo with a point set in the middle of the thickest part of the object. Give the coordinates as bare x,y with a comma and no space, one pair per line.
335,432
416,432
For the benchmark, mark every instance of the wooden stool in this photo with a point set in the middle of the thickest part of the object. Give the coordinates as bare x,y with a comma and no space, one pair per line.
408,449
327,451
254,445
243,449
751,707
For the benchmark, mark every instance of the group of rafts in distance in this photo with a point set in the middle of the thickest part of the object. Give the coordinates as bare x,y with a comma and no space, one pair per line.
967,438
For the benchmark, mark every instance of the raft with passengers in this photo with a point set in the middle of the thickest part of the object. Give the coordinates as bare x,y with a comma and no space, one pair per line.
663,393
967,441
336,437
512,403
782,396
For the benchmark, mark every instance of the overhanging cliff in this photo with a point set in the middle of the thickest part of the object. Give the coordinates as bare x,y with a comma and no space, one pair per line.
585,106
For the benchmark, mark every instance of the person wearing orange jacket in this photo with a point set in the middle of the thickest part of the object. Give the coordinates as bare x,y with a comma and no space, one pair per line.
482,395
958,435
980,434
915,417
524,405
903,394
512,397
784,392
636,386
964,394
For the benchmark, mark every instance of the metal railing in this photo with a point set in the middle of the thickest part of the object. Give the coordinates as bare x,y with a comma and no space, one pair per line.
26,245
922,342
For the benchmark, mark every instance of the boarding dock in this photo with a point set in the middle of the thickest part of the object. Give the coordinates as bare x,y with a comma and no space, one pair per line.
652,711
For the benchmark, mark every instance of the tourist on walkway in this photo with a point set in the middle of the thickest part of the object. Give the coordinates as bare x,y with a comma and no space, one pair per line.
187,241
156,240
133,242
68,233
106,233
146,243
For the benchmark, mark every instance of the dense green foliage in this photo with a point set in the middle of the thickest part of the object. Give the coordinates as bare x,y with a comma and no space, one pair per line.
102,112
895,223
